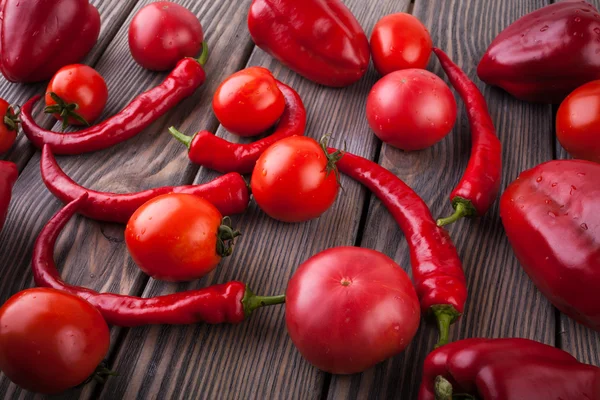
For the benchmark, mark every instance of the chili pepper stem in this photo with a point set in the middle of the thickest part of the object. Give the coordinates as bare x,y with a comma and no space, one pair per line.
204,55
462,208
445,315
185,139
251,301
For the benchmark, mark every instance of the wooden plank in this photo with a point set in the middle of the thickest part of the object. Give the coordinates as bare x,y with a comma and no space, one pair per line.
256,359
113,14
502,300
93,254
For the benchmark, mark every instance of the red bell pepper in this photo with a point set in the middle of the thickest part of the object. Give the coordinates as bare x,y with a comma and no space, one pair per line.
546,54
39,37
551,215
8,177
319,39
506,369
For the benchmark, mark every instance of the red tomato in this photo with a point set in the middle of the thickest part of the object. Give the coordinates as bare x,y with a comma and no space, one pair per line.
578,122
248,102
349,308
411,109
50,340
82,92
162,33
295,180
178,237
8,134
400,41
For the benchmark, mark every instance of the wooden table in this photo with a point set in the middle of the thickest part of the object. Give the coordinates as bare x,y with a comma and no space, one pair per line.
256,359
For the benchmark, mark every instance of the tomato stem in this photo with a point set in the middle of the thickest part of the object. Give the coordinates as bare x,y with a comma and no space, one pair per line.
462,208
443,391
185,139
226,238
332,158
445,316
251,301
11,119
100,375
204,55
65,111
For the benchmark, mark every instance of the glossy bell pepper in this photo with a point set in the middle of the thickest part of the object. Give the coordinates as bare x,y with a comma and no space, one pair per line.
319,39
551,215
39,37
506,369
8,177
546,54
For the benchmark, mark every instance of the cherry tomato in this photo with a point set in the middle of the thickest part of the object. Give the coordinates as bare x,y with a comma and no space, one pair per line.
50,340
178,237
82,95
349,308
248,102
295,180
411,109
400,41
578,122
163,33
8,126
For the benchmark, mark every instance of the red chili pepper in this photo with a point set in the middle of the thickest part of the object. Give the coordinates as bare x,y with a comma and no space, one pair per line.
39,37
229,193
187,76
8,176
436,268
231,302
546,54
320,40
551,215
506,369
216,153
480,184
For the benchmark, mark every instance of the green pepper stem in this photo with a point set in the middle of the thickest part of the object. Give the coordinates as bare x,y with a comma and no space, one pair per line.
251,301
460,212
204,55
445,315
185,139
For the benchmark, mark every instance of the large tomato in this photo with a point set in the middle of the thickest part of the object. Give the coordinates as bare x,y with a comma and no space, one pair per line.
162,33
9,124
411,109
400,41
578,122
248,102
76,95
178,237
295,179
50,340
349,308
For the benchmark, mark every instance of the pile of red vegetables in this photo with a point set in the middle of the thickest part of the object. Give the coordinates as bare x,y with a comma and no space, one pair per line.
551,213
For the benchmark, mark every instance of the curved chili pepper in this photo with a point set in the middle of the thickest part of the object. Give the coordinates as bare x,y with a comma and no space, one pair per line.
229,193
142,111
436,268
8,176
216,153
480,184
231,302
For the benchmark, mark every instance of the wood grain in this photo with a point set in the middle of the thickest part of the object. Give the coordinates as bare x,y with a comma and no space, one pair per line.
502,301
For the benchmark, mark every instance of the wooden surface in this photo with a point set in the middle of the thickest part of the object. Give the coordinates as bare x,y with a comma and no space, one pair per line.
256,359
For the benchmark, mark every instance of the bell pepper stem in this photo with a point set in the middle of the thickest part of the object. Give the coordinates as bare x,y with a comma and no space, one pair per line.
185,139
442,388
445,315
252,302
204,55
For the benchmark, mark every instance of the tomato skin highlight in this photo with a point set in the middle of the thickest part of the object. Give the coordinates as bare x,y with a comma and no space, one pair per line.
162,33
173,237
400,41
248,102
290,182
7,135
411,109
349,308
50,340
578,122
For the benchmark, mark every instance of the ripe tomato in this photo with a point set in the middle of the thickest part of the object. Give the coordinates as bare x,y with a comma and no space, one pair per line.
349,308
178,237
248,102
295,180
50,340
8,126
578,122
400,41
411,109
77,92
162,33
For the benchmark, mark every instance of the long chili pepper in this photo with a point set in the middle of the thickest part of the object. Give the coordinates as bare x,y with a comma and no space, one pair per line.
142,111
229,193
216,153
436,268
480,184
231,302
